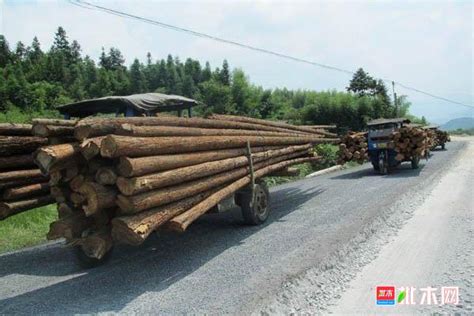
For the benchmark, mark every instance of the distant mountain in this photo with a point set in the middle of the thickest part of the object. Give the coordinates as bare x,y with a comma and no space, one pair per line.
461,122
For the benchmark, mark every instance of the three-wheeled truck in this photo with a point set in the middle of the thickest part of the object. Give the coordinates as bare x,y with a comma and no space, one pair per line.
253,199
381,148
441,137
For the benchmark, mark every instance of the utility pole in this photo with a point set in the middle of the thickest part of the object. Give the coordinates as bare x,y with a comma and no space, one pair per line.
395,99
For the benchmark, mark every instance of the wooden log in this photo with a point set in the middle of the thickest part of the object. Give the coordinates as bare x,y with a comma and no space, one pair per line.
21,175
70,172
22,182
98,197
17,162
319,126
56,140
96,245
96,163
25,191
77,199
69,227
12,129
131,186
155,131
55,177
103,126
8,209
132,167
106,176
251,120
52,130
78,181
65,210
133,230
181,222
115,146
91,147
136,203
60,194
50,156
15,145
57,122
288,172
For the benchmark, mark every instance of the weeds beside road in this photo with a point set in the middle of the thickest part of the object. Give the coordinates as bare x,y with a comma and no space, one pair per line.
26,229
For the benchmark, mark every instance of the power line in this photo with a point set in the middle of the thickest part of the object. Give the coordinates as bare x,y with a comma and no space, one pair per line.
88,5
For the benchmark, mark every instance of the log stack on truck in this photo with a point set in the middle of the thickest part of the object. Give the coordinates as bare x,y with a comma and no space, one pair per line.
437,137
22,185
353,147
410,141
124,177
393,141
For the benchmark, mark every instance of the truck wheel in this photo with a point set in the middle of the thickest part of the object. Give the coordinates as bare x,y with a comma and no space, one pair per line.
376,166
383,168
87,262
415,162
257,213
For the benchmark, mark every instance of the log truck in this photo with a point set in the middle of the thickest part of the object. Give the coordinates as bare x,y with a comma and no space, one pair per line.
253,199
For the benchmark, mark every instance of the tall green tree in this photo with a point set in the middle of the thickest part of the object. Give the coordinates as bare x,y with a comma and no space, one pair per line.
137,78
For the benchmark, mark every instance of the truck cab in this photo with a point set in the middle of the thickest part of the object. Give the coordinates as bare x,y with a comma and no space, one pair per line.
381,148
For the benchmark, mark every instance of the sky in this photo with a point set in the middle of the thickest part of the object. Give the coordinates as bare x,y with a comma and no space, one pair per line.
424,44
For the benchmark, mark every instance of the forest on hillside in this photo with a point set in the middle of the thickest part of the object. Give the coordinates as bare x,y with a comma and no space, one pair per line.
34,81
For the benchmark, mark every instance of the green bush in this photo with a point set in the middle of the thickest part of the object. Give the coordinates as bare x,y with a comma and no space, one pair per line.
26,229
13,114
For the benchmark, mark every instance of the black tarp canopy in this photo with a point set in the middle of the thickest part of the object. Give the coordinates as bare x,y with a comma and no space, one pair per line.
146,103
388,121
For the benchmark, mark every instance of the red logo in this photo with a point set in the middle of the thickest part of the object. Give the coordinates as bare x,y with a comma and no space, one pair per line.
385,295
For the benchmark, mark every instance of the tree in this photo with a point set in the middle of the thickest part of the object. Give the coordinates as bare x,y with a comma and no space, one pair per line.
5,53
116,59
364,85
37,80
61,44
104,61
148,59
137,78
34,52
216,97
75,51
207,72
20,51
188,86
361,83
224,74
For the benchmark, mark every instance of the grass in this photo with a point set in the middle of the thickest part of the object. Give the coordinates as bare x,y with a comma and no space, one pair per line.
26,229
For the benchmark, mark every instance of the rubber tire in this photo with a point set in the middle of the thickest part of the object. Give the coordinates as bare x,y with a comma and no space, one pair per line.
376,167
249,213
383,169
415,162
87,262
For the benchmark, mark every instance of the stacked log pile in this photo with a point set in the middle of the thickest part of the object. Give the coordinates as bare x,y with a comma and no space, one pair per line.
410,141
126,177
22,185
353,147
431,138
442,137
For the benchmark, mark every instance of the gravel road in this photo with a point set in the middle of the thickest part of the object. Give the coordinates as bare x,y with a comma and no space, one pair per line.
321,233
435,248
